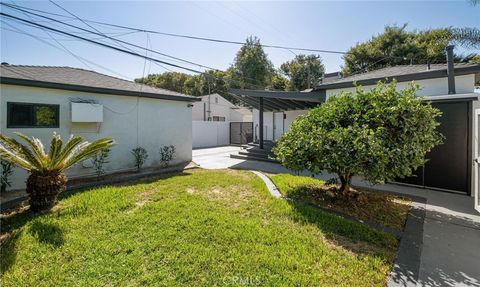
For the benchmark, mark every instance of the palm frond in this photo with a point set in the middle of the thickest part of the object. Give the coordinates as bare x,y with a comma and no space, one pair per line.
72,143
466,37
55,149
37,149
58,159
18,153
87,150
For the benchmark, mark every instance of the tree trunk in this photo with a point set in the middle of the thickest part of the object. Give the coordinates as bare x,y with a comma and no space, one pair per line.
43,189
346,181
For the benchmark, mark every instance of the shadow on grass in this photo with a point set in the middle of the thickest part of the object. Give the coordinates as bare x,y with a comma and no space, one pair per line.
47,233
375,207
13,221
147,179
352,236
8,253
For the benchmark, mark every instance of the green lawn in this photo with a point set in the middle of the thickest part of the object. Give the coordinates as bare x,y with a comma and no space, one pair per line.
378,207
198,228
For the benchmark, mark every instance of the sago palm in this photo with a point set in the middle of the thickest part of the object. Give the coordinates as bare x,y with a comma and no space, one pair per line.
46,170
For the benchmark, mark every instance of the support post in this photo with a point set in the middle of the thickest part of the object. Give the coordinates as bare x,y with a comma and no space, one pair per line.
260,116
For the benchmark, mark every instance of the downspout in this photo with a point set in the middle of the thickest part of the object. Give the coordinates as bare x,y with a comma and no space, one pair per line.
450,70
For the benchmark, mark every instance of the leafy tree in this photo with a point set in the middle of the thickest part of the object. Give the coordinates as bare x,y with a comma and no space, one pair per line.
279,82
304,71
47,179
251,68
397,46
380,134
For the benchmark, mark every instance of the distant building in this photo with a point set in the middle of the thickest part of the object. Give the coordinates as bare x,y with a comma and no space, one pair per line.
218,109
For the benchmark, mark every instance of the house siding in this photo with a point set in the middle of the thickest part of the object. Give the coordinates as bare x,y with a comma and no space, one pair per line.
130,121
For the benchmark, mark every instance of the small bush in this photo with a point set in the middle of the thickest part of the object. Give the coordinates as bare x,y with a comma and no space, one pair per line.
99,160
140,155
7,171
166,155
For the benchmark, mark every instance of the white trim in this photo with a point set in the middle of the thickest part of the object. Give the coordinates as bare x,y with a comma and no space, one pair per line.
476,165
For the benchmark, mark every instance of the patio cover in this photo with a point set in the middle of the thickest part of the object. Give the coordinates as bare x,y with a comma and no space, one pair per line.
279,100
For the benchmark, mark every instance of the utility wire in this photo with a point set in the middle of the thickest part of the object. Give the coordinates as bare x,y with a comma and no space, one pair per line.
195,37
130,44
154,60
19,31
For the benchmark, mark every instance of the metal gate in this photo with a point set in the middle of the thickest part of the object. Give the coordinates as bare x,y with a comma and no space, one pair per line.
241,132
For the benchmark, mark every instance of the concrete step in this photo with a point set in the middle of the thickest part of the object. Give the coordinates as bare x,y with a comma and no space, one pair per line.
252,157
255,152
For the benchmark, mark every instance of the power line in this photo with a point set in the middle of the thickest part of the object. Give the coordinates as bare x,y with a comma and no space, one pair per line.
96,42
108,46
134,45
196,37
116,40
19,31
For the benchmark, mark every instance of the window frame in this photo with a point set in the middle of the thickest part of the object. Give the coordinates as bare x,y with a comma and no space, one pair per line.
219,119
33,107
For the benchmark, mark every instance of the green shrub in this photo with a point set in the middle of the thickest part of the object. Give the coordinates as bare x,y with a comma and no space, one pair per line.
7,172
99,160
140,154
380,134
166,155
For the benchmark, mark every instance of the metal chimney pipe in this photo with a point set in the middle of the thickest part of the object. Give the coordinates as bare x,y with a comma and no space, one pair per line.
450,69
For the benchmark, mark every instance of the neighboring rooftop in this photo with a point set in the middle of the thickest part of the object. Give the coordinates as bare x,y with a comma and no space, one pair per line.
400,73
76,79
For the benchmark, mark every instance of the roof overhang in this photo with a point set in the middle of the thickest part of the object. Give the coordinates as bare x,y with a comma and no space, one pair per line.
432,74
279,100
97,90
453,98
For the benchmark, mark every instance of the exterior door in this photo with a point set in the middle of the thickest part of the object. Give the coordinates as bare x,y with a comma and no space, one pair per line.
277,125
476,154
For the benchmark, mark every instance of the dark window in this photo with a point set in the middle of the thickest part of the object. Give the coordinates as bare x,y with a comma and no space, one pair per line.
218,119
26,115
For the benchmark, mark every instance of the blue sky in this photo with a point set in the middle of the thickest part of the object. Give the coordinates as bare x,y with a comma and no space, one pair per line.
318,25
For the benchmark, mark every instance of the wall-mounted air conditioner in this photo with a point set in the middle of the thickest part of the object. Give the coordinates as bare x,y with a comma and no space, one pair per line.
87,113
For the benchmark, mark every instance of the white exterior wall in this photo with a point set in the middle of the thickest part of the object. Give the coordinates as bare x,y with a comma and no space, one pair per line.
430,87
223,108
290,116
130,121
210,134
267,125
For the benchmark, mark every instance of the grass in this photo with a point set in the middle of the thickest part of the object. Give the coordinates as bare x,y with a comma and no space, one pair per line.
198,228
378,207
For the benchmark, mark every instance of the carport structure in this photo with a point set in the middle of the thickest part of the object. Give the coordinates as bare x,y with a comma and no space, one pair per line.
272,101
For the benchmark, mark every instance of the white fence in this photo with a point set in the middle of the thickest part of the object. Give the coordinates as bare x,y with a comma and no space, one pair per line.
210,134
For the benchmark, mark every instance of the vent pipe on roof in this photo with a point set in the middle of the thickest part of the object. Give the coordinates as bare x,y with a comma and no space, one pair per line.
450,69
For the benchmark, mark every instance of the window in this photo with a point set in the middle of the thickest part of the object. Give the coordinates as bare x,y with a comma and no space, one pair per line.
218,119
216,100
26,115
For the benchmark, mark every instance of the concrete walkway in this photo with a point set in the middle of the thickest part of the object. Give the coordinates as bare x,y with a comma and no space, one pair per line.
450,253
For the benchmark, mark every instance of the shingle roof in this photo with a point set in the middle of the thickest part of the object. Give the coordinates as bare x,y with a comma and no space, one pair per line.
400,73
76,79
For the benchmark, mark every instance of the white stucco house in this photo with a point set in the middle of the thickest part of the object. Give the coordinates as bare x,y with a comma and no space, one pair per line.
453,166
38,100
216,108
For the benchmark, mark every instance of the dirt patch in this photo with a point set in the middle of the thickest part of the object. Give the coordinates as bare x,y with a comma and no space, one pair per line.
377,207
191,190
354,248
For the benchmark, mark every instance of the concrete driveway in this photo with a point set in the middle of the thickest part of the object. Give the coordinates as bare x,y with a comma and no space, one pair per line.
450,253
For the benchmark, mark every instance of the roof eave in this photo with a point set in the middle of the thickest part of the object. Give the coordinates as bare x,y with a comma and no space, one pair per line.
433,74
97,90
